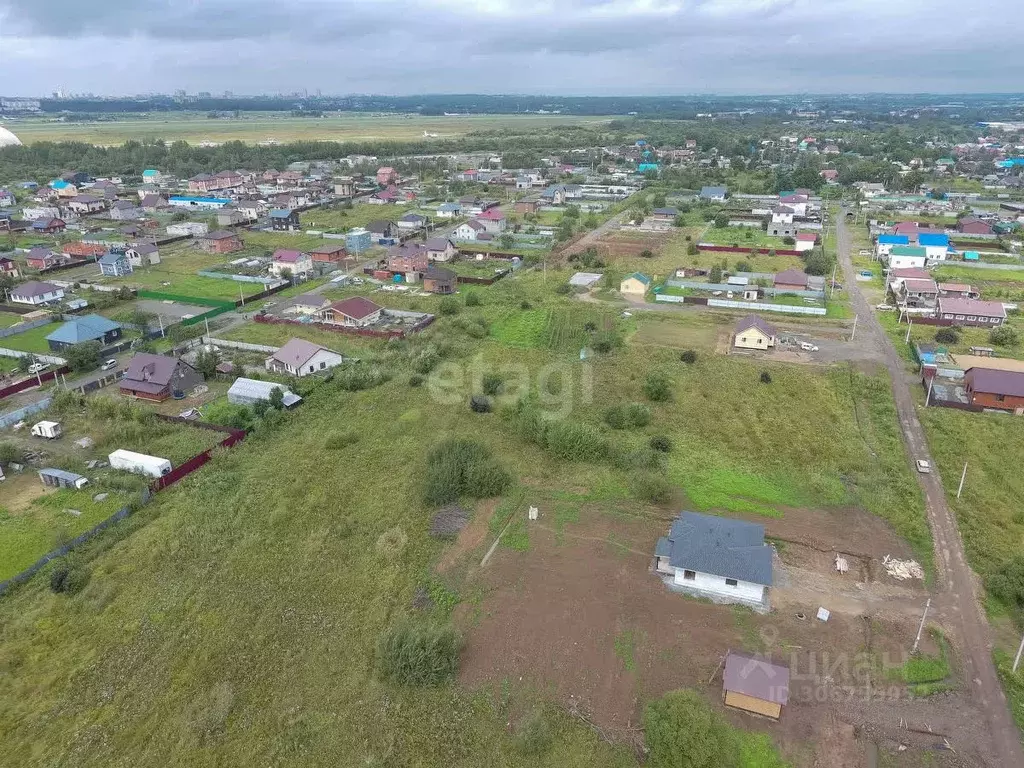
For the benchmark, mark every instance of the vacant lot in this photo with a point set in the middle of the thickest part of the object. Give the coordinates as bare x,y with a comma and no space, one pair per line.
33,340
254,127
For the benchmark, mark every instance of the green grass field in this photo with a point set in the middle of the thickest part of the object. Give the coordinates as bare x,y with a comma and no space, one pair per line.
744,237
254,127
344,219
237,617
33,340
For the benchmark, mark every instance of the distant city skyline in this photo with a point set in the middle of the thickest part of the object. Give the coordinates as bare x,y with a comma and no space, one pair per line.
551,47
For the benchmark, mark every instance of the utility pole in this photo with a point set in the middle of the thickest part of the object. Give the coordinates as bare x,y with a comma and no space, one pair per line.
1016,659
920,627
207,321
833,291
959,490
240,294
928,397
853,333
161,320
910,324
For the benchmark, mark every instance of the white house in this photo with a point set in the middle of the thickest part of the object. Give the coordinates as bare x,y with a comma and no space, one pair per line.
805,241
143,255
907,256
724,560
936,246
468,230
296,262
36,293
299,357
441,249
449,210
782,214
886,243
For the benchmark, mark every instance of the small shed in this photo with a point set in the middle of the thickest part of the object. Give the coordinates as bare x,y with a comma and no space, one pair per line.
250,391
59,478
754,684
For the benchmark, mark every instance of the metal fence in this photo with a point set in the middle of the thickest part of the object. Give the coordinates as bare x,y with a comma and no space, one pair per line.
762,307
244,345
13,417
14,330
51,359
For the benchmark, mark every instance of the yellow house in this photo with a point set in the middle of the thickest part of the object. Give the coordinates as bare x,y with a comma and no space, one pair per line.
635,284
753,333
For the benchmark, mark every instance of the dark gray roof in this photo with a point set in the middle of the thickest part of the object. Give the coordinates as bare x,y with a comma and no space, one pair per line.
757,677
753,321
439,243
438,273
732,549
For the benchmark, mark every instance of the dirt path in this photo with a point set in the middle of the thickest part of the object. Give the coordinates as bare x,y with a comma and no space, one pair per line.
593,236
955,577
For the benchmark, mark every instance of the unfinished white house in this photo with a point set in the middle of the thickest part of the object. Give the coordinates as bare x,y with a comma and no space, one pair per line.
726,561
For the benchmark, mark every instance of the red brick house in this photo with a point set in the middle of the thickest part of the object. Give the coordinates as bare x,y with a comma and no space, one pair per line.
386,175
80,250
790,280
990,388
328,256
220,241
356,311
411,257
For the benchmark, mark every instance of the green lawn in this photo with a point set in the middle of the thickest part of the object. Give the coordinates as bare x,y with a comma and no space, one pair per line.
359,215
273,240
744,237
7,319
238,623
184,284
33,340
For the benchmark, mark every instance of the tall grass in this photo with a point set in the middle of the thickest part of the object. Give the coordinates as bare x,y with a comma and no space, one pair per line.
419,654
457,468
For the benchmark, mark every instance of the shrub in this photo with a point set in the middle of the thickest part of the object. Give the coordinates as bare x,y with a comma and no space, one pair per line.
661,443
606,341
1007,583
766,378
480,404
524,305
416,380
492,383
10,452
449,305
460,467
575,441
743,266
354,378
689,357
646,254
947,336
787,240
564,289
338,440
650,487
657,388
419,654
692,249
638,415
533,736
682,731
425,360
68,578
473,299
1003,336
615,417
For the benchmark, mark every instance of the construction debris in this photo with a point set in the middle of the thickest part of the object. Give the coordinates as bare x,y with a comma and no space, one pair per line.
534,513
841,564
902,569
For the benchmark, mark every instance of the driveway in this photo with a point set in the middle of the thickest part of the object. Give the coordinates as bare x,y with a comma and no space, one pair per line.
955,578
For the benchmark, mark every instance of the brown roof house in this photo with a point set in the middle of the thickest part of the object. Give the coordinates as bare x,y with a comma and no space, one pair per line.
220,241
971,312
356,312
158,377
439,280
790,280
299,357
752,332
328,257
990,388
754,684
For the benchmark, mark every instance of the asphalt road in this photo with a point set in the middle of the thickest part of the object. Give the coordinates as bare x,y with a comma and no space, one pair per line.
955,579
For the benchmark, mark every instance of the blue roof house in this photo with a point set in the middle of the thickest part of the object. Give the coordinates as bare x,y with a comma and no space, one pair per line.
115,265
886,243
724,560
82,329
713,193
936,246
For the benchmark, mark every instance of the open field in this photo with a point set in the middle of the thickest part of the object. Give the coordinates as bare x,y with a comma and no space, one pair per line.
343,219
254,127
743,237
274,645
33,340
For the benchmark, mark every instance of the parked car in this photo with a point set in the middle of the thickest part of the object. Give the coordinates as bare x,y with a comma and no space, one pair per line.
37,367
885,307
808,347
923,467
111,363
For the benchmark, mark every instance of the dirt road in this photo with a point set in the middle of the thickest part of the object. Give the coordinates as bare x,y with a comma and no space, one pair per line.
955,577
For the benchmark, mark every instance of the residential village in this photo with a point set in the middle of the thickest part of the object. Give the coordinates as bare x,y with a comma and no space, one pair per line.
735,368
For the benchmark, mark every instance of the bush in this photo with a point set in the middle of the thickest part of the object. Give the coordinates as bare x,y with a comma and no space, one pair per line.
419,654
1007,583
416,380
480,404
657,388
575,441
682,731
650,487
492,383
564,289
9,452
459,467
646,254
661,443
524,305
766,378
68,578
425,360
353,378
787,240
1003,336
533,736
606,341
473,299
638,415
84,356
615,417
689,357
947,336
744,266
449,305
692,249
338,440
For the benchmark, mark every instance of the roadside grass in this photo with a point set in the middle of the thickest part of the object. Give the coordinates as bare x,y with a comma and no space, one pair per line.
1013,683
7,319
926,674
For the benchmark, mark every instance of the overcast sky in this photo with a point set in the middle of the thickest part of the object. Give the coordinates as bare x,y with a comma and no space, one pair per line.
584,47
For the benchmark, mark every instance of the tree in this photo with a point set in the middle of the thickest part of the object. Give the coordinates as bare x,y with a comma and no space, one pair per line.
276,398
506,241
207,362
947,336
84,356
715,274
744,266
1007,584
658,388
25,362
9,452
682,731
142,320
817,263
721,221
1003,336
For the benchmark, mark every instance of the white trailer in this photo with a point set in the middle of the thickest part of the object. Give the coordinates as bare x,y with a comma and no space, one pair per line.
51,430
139,463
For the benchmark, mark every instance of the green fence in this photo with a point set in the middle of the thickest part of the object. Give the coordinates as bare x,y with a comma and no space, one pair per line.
206,315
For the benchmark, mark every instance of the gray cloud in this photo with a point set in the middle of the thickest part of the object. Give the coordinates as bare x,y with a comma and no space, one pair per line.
550,46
